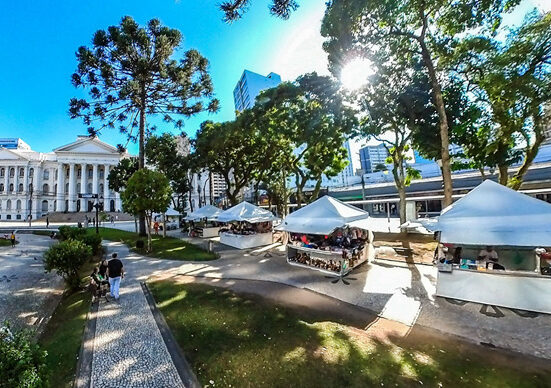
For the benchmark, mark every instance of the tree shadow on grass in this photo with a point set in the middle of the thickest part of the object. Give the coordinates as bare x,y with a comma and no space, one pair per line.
243,341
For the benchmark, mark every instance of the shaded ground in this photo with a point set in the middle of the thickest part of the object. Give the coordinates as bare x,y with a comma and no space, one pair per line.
233,337
28,296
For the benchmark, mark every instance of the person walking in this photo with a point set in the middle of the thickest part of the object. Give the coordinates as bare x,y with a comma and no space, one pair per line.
47,222
12,238
115,271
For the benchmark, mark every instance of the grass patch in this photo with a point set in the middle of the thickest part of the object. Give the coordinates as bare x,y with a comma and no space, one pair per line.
244,342
62,336
6,242
162,247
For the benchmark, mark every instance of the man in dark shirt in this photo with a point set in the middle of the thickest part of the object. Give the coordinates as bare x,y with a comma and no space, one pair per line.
115,271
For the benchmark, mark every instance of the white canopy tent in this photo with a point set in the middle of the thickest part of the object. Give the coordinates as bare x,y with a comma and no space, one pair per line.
492,214
325,215
246,212
209,212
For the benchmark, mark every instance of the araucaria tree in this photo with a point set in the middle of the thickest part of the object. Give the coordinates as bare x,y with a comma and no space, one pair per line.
234,9
409,28
147,192
130,73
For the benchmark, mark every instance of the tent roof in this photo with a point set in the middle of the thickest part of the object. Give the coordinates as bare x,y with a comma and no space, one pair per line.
208,211
246,212
492,214
325,215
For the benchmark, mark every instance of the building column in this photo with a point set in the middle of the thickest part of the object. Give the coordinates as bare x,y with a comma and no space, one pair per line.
83,177
118,203
72,189
6,179
95,179
16,180
60,189
27,194
106,198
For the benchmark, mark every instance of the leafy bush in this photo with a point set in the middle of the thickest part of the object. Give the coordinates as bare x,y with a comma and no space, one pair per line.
22,362
94,242
71,233
66,258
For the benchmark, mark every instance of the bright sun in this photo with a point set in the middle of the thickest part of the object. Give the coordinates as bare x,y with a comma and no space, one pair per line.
354,74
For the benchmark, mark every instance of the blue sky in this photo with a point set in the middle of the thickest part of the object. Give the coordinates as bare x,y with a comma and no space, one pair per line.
39,39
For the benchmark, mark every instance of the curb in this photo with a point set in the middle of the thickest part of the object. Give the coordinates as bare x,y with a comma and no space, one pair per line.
83,377
182,366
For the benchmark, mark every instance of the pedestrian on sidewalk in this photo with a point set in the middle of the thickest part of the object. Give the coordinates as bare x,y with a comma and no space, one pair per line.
47,222
12,238
115,271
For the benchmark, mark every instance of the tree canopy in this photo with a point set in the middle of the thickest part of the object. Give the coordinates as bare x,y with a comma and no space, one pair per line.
235,9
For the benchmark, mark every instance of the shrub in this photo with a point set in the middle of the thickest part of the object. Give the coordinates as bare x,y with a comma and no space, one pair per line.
22,362
94,242
66,258
71,233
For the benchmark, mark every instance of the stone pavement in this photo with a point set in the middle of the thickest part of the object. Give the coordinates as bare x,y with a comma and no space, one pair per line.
129,350
28,296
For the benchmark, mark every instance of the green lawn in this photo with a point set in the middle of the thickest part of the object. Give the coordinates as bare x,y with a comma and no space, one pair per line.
244,342
42,232
5,242
163,247
62,336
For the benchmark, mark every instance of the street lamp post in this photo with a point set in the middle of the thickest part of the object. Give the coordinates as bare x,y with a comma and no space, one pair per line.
30,216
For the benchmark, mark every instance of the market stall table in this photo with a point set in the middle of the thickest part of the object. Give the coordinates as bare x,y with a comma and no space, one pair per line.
329,236
209,214
517,225
249,226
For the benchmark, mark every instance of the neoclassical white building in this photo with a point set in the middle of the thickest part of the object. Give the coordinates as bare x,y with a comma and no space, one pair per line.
36,183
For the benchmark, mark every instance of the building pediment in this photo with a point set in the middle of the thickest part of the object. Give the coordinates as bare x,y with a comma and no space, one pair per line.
6,154
88,145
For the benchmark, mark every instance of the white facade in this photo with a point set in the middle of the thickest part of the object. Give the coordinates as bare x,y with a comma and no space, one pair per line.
36,183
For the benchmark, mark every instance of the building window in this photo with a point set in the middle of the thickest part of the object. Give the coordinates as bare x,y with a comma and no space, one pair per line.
101,174
11,187
79,172
31,172
78,188
66,188
18,205
1,187
90,173
46,174
2,172
8,204
21,172
12,172
46,189
8,217
44,206
20,188
101,188
89,188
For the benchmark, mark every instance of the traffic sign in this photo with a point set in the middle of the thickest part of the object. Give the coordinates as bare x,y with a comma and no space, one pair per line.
87,195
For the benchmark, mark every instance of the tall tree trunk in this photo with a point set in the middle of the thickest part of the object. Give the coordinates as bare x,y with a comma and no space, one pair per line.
443,123
482,173
402,204
503,174
316,191
141,154
399,181
531,152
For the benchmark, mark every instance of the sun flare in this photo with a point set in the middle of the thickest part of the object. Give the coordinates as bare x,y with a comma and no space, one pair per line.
354,74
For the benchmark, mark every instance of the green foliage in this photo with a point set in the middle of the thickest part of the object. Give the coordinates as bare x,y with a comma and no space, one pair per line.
94,242
164,153
130,72
71,233
148,192
121,173
22,362
234,9
66,258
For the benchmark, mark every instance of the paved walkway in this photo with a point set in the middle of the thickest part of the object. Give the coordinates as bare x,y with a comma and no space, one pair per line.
28,296
129,350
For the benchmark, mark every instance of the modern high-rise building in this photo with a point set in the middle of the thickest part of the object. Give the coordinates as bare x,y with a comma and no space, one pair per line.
371,156
249,87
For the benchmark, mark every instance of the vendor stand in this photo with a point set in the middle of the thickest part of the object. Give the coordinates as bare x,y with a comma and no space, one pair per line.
208,225
494,244
328,236
249,226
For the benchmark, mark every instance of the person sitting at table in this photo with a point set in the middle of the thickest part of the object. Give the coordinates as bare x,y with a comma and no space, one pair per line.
490,256
457,255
